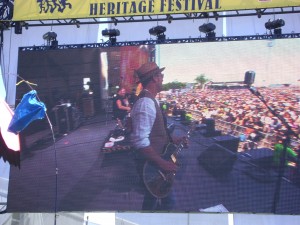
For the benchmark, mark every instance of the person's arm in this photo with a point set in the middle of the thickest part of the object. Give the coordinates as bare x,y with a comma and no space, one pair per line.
143,117
291,154
120,106
151,155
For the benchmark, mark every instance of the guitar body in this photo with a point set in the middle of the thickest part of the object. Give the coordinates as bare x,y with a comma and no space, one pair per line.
158,183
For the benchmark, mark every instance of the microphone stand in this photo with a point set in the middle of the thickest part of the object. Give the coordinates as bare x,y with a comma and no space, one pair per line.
286,143
29,84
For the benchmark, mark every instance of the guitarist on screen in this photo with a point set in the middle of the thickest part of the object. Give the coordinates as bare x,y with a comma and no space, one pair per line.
149,136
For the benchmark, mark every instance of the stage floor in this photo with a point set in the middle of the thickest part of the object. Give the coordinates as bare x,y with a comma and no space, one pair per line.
87,179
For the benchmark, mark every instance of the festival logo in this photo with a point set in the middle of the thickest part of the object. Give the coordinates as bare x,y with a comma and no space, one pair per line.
53,5
6,9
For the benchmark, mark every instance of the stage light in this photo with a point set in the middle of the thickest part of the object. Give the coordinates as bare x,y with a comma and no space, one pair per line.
115,20
19,26
208,29
169,18
258,12
25,25
112,34
50,37
159,32
76,22
155,31
275,24
216,15
204,15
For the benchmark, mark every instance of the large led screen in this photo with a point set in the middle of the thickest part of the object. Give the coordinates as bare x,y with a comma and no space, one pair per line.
79,159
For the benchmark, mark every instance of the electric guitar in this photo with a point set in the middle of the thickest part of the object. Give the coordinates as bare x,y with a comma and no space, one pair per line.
159,183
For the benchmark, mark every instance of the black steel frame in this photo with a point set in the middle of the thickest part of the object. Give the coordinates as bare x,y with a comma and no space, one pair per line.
154,42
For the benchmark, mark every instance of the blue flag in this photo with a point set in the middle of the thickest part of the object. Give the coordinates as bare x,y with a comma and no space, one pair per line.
28,110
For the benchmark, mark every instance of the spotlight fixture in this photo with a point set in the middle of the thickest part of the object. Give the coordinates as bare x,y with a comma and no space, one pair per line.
169,18
115,20
25,25
275,25
208,29
112,34
76,22
159,32
216,15
204,15
258,12
50,37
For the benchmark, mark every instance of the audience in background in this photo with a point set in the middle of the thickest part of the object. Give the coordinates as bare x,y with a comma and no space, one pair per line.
241,107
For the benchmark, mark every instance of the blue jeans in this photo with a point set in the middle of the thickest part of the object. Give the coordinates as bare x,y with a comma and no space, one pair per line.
151,203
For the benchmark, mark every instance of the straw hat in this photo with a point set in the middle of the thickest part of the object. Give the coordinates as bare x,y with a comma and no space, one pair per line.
148,70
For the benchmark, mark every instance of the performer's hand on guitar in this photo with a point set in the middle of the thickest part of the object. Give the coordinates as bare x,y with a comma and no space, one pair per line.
167,166
161,163
181,140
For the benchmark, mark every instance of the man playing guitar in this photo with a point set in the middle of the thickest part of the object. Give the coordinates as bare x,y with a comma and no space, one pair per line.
149,134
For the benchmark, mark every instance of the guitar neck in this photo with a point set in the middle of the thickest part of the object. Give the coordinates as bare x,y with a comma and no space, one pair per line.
181,145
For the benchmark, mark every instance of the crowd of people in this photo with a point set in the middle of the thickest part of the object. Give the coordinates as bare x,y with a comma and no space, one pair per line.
242,108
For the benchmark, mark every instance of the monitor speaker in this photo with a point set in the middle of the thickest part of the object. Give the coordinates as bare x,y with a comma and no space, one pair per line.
217,160
210,125
228,141
249,77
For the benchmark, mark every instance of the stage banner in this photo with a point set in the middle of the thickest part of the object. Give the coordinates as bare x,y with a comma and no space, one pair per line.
72,9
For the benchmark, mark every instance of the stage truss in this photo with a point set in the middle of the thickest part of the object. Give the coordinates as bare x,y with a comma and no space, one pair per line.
154,42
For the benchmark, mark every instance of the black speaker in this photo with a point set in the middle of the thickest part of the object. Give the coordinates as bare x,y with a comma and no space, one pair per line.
18,28
212,133
249,77
217,160
64,118
228,141
210,124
